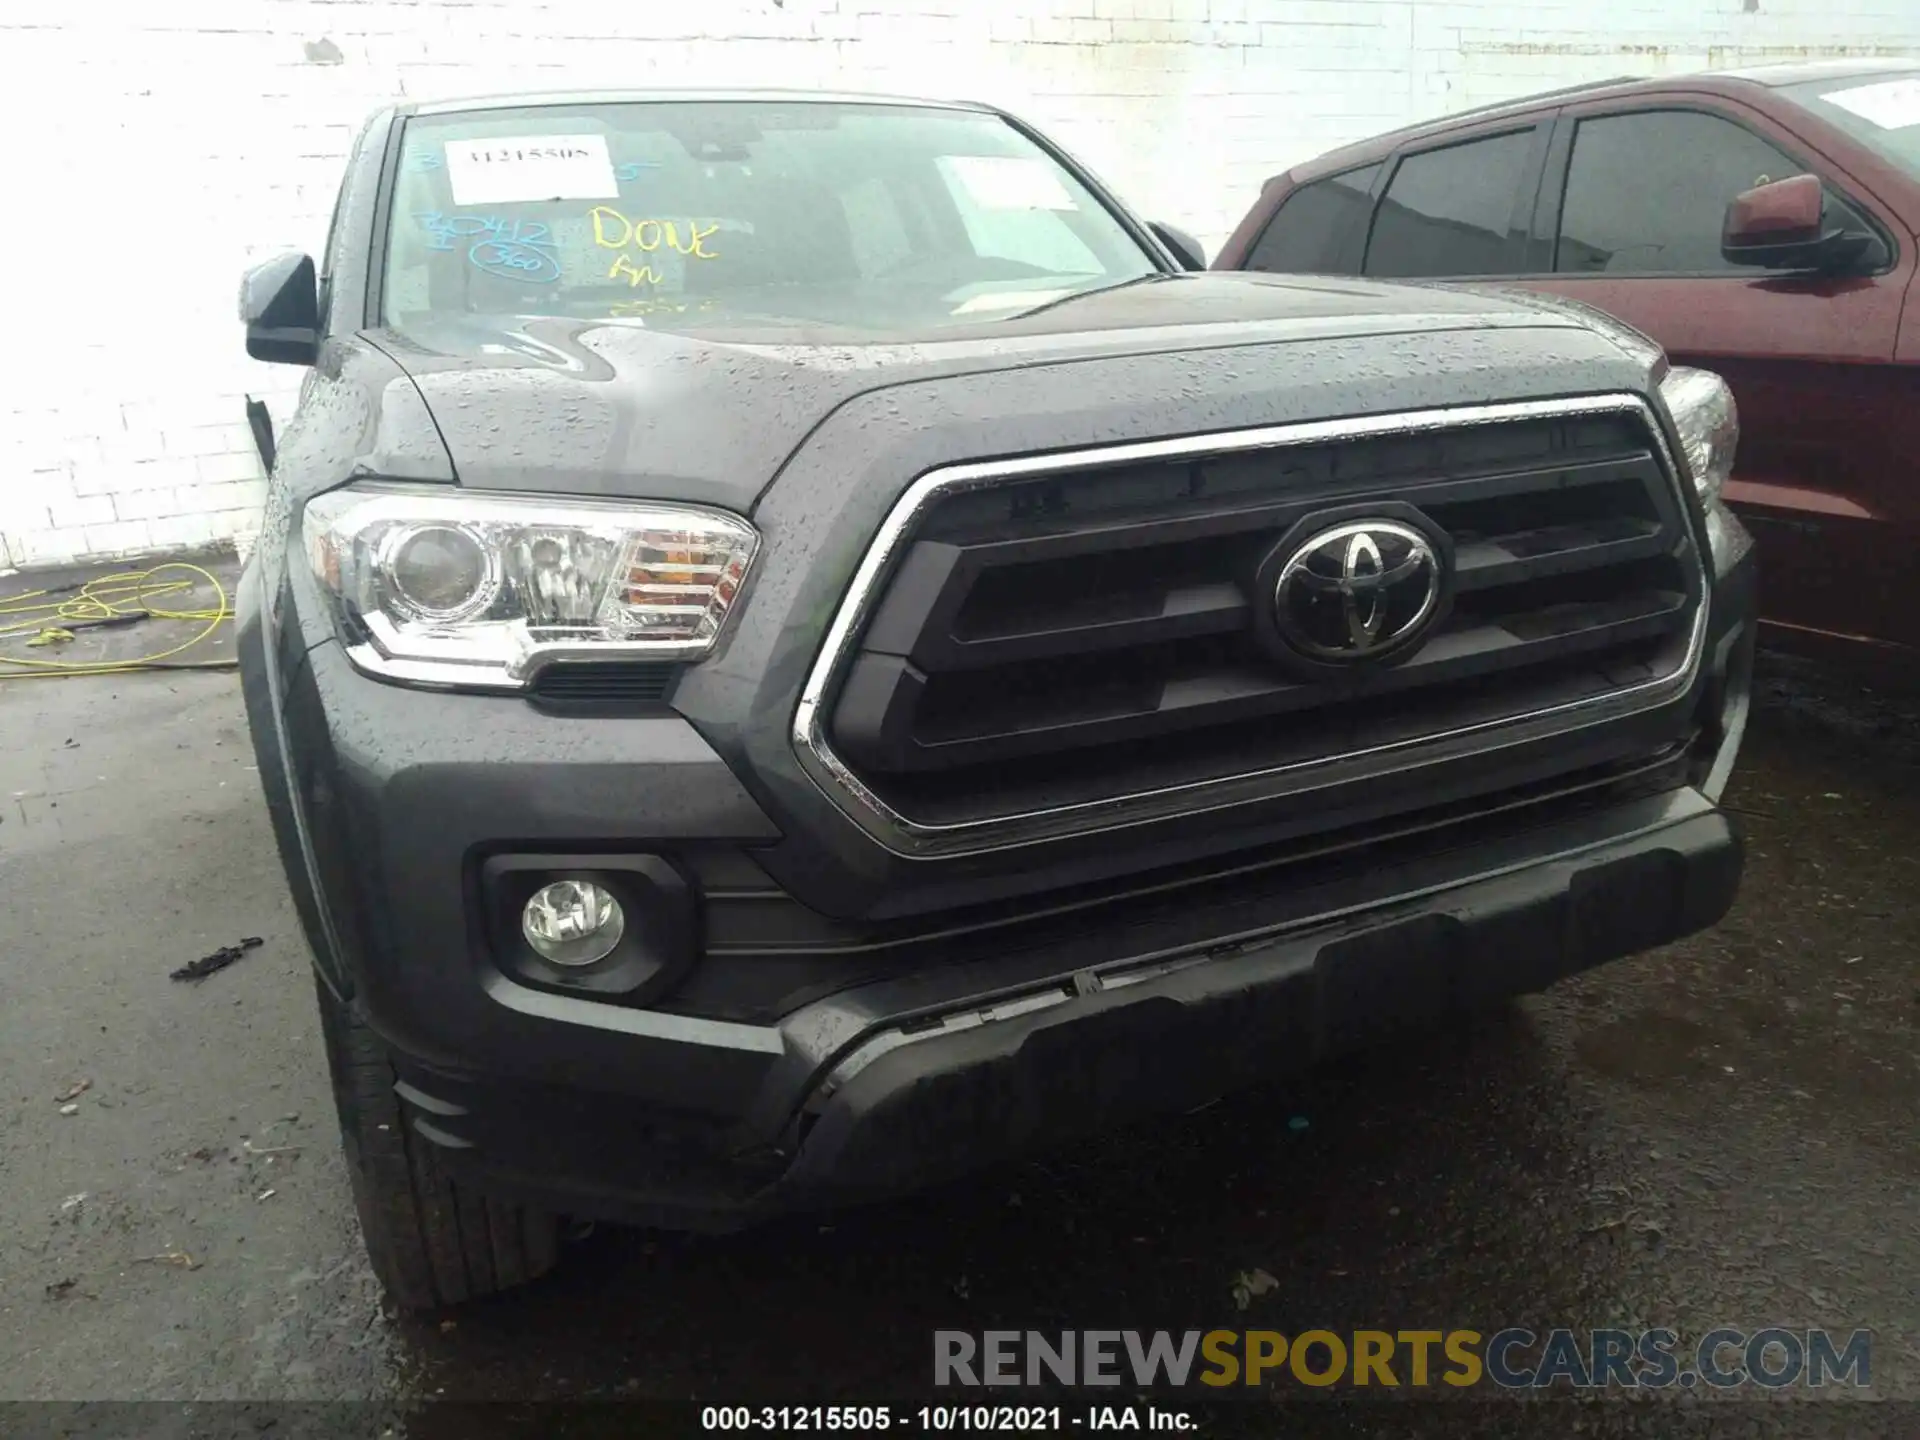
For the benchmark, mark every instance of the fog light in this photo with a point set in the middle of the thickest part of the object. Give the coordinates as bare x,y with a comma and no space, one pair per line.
573,922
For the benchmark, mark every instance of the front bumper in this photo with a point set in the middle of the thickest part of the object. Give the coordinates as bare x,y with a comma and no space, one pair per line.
1176,1032
913,1087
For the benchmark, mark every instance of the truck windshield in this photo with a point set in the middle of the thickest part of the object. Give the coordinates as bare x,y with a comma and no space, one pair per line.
1880,111
679,214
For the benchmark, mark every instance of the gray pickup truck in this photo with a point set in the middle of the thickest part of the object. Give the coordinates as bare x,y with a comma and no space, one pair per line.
799,649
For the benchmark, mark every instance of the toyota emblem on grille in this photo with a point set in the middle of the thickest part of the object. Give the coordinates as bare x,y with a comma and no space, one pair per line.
1360,591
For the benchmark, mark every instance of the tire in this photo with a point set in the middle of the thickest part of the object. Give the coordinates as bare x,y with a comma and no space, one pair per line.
434,1241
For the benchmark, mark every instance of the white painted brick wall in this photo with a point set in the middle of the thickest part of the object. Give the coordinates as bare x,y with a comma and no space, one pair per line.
156,150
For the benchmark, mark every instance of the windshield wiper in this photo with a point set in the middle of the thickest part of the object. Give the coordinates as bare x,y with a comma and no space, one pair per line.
1091,290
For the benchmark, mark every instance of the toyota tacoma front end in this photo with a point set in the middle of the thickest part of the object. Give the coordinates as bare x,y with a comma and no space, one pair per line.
913,676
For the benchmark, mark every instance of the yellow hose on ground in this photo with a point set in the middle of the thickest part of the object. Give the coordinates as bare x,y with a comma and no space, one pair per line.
112,599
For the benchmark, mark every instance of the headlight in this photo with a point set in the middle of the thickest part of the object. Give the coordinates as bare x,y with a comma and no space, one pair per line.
447,587
1709,424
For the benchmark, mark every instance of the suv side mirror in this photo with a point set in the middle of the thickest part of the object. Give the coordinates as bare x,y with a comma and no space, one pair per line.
1187,250
1783,226
280,306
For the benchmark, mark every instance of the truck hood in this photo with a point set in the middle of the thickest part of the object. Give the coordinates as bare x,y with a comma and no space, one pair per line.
624,409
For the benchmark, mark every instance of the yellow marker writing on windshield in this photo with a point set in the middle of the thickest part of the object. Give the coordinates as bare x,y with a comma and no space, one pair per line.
614,231
623,268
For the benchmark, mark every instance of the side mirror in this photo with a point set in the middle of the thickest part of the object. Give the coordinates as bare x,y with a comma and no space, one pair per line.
1187,250
1783,226
280,306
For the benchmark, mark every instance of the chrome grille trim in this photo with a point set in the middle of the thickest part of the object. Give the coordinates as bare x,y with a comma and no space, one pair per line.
913,839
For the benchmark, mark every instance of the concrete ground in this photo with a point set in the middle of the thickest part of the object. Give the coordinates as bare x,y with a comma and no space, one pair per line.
1718,1133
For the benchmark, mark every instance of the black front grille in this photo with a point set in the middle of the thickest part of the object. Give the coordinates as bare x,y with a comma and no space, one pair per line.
1065,639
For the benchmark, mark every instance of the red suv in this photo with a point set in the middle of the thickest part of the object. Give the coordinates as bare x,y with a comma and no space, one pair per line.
1758,223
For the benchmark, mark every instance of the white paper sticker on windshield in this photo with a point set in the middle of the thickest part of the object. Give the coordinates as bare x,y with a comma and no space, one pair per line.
1001,182
515,168
1892,104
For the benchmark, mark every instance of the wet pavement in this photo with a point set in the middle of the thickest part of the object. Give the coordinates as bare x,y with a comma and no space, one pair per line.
1720,1133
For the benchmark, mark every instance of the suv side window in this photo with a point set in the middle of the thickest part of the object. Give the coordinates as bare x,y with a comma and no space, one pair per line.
329,254
1647,191
1450,211
336,240
1309,233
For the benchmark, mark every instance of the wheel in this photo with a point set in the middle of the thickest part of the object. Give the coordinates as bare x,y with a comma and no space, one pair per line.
434,1241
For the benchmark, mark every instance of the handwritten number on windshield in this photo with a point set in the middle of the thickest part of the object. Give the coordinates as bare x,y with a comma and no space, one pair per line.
515,262
520,250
